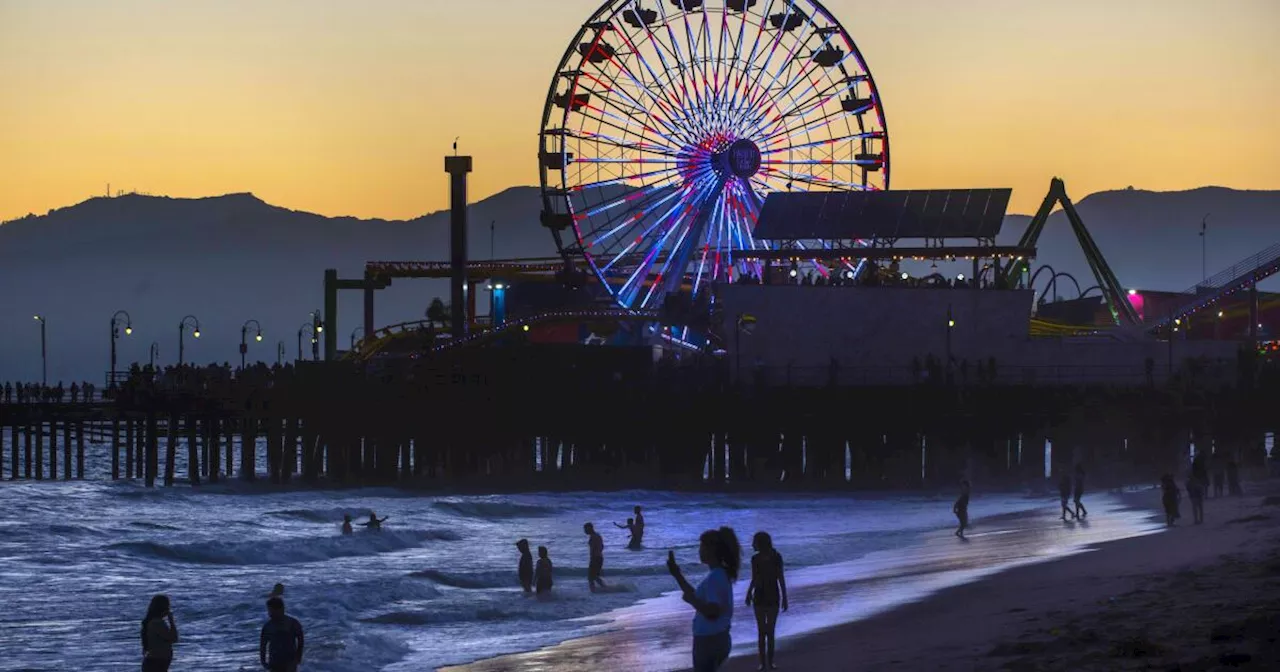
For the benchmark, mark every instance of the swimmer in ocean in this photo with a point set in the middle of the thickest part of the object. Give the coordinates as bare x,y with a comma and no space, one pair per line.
346,523
635,531
375,523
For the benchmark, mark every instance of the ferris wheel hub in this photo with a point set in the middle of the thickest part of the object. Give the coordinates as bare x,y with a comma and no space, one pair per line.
741,159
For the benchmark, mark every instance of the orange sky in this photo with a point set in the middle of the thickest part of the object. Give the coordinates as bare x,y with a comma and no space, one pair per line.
346,108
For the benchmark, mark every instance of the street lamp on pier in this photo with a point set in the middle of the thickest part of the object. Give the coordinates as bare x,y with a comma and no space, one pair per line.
244,338
317,328
44,353
314,340
279,353
155,354
115,335
188,321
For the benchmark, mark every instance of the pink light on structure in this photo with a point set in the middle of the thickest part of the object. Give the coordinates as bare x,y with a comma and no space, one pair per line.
1138,302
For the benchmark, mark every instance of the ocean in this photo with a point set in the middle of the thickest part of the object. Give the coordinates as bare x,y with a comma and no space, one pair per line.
437,586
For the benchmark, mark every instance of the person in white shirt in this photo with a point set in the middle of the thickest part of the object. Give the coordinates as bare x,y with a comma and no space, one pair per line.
712,600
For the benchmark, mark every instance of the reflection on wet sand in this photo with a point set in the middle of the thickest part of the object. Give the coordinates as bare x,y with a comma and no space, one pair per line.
654,634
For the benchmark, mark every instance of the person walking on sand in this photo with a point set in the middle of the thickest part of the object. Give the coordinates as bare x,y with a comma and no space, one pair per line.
281,642
525,568
595,567
712,600
159,634
961,508
542,573
1064,492
1078,492
767,591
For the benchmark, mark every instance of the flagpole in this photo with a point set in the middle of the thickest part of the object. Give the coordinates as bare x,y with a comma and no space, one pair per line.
1204,266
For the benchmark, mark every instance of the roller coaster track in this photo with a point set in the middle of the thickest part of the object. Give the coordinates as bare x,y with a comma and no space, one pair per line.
369,349
1244,274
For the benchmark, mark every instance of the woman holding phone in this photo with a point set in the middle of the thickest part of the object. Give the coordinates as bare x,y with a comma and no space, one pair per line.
712,600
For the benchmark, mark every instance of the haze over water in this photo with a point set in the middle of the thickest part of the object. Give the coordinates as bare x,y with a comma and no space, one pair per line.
78,562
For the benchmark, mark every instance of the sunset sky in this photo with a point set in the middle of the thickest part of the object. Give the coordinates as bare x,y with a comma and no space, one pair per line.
346,108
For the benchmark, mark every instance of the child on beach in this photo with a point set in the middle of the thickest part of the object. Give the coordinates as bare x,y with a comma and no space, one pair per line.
1170,498
525,568
768,591
1195,493
542,574
961,508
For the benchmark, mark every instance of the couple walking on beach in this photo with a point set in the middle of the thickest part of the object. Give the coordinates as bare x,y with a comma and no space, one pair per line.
280,643
712,599
1067,487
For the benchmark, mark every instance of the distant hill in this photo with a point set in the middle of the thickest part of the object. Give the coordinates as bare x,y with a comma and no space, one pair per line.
230,258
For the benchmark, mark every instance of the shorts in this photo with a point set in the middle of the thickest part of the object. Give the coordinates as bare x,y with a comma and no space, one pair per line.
710,651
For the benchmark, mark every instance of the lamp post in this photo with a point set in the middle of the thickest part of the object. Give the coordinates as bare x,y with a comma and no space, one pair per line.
279,353
314,340
44,354
115,334
317,328
191,321
951,324
244,340
155,353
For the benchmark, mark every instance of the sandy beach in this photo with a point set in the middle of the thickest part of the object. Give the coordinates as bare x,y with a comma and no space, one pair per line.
1196,597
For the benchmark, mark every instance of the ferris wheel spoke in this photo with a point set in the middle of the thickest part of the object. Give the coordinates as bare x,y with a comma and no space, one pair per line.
690,212
866,135
797,115
782,65
808,127
632,283
635,106
619,143
629,220
816,180
671,103
616,180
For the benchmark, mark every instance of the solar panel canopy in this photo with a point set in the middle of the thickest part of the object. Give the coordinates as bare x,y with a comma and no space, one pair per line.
916,213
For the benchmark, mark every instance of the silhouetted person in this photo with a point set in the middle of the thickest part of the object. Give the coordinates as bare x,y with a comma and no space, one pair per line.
1233,478
637,532
542,573
276,591
346,523
159,634
1078,492
961,508
713,598
767,591
1219,476
1064,492
1195,493
281,641
630,527
375,523
1170,497
596,564
525,568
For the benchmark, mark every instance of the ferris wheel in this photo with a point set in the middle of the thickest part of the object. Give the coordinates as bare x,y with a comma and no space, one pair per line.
667,123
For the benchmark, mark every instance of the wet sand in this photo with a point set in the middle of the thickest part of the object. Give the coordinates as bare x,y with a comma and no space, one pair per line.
1197,597
828,601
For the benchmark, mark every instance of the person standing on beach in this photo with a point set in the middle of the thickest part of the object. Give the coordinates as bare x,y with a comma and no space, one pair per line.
1078,492
1170,498
595,567
767,591
159,634
1195,493
542,574
525,568
713,598
281,642
961,508
1064,492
